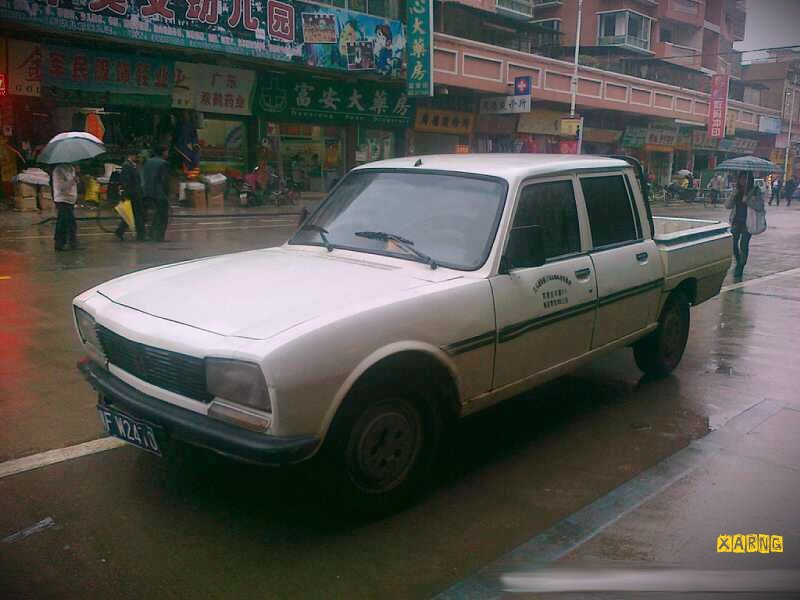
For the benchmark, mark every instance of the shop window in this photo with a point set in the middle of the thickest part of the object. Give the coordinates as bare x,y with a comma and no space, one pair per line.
551,206
374,144
223,145
610,211
309,157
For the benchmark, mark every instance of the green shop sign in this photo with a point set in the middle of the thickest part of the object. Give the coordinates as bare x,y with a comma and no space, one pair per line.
290,97
419,27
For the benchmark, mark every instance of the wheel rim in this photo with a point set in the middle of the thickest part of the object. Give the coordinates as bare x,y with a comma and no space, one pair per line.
386,447
673,338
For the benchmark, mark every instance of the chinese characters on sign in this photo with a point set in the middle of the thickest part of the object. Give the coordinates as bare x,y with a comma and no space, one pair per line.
520,102
431,120
94,71
24,68
298,98
209,88
718,106
293,31
503,105
419,27
280,20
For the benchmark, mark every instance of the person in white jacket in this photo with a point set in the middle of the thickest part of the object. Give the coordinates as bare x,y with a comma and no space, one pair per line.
65,194
746,198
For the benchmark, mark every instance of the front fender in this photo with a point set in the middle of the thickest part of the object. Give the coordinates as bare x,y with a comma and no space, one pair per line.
380,354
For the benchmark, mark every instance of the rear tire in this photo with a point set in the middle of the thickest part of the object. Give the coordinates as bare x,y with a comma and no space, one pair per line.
659,353
381,446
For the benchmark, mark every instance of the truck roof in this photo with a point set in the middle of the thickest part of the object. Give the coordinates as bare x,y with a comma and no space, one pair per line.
507,166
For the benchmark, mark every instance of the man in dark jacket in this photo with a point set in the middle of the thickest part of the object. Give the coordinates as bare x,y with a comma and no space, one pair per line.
789,187
155,177
131,189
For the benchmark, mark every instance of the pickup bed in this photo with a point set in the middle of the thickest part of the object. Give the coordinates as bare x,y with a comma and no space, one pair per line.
421,290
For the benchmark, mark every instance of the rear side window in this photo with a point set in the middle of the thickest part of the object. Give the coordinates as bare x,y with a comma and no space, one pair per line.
611,215
551,206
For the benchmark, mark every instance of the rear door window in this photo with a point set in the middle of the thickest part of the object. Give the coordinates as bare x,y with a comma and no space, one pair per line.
611,215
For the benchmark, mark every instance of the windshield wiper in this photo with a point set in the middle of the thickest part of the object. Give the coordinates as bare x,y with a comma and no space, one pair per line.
404,243
323,233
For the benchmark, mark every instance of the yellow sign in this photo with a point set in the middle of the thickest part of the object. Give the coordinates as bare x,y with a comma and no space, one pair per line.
540,120
730,124
433,120
749,543
569,126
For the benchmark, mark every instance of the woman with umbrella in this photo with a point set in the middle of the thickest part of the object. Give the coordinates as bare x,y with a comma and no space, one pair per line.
64,150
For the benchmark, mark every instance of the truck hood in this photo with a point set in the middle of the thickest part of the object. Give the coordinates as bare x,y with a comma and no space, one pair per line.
261,293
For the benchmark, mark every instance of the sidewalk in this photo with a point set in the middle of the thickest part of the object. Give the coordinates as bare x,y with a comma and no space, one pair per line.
12,219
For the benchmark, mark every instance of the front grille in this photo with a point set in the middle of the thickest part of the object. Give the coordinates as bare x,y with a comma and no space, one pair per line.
179,373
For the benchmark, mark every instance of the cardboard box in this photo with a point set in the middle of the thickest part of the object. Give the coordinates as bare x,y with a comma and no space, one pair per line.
196,195
45,195
25,203
25,190
216,201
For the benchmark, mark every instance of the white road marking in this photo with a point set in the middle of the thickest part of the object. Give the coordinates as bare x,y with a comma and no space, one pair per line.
51,457
45,523
749,282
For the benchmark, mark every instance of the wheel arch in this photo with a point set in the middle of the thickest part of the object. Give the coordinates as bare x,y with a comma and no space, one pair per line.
419,357
688,287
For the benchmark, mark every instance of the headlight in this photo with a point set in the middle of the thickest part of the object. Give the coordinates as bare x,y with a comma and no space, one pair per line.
88,333
238,382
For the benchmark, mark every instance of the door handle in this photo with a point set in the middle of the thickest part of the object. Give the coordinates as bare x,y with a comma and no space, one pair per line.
642,256
583,274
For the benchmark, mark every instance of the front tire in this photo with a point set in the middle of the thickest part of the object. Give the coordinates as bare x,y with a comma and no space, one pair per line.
380,449
659,353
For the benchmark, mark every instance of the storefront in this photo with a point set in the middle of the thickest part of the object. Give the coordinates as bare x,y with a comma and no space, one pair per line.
313,129
496,133
442,131
212,109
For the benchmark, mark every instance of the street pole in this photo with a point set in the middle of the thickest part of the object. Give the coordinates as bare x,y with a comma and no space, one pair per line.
574,86
789,136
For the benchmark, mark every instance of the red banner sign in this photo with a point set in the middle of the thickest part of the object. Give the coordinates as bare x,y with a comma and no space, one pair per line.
718,106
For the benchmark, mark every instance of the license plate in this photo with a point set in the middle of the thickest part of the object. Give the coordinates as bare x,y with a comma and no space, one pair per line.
130,430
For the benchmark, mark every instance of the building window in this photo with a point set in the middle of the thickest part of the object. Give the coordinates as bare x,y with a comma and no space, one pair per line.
624,28
518,7
554,24
380,8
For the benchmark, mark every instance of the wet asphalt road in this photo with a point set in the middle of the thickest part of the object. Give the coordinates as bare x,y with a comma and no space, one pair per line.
129,525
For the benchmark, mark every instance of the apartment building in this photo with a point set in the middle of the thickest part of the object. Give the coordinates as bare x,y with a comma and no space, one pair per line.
642,86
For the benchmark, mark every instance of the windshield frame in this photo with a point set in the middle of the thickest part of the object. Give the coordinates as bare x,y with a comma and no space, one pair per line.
407,256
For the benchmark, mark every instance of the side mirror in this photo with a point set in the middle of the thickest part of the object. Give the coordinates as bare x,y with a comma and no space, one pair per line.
525,248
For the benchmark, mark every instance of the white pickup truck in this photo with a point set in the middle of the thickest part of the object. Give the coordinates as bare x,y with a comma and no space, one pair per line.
421,290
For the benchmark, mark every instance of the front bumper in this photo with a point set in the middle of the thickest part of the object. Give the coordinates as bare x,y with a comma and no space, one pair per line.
194,428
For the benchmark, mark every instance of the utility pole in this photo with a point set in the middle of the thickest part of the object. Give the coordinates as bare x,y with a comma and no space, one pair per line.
789,136
574,86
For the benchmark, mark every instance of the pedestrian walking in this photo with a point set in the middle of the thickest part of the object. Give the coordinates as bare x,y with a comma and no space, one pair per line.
65,194
131,187
715,187
747,218
776,192
155,177
788,190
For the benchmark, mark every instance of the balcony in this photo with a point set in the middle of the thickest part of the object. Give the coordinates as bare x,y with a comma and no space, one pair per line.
624,40
516,9
546,3
690,12
684,56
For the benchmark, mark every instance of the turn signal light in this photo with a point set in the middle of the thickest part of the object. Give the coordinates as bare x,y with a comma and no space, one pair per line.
234,415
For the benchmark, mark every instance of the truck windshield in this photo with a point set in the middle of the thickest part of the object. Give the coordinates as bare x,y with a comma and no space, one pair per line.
451,218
